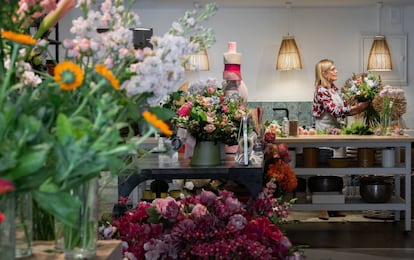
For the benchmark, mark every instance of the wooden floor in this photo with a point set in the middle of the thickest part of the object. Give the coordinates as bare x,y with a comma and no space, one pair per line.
358,240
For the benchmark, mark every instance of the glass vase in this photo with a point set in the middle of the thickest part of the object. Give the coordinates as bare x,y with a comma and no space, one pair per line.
24,225
385,124
80,242
7,226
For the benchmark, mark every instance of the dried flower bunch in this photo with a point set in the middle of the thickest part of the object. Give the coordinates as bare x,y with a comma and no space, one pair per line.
392,98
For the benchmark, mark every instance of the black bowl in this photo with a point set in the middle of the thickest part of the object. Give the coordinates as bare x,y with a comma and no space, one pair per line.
325,184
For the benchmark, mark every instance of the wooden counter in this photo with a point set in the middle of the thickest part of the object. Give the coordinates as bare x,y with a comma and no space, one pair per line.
106,250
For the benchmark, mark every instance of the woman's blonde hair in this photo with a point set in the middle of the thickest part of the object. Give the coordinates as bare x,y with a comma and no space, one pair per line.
321,67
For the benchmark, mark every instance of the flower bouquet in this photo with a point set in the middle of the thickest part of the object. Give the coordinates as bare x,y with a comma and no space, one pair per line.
207,226
363,88
209,115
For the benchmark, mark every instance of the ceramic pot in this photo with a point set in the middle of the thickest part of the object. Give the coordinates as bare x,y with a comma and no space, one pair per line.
206,153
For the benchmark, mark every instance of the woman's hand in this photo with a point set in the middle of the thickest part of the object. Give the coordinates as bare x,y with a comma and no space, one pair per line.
358,108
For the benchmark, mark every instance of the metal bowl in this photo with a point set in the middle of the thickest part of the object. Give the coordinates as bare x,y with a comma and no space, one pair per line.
376,192
325,183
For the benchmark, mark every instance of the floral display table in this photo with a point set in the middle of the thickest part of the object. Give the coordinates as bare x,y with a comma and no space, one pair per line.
170,166
107,250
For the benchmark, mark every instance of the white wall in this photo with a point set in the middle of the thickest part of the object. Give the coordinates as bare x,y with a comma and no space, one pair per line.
319,32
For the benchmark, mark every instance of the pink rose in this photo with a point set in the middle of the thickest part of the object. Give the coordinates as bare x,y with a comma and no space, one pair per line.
209,128
225,108
210,90
199,210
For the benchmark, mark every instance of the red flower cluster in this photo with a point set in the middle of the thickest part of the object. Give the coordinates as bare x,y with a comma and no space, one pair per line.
204,226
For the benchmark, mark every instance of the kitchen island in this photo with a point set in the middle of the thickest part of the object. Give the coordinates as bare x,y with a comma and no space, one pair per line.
401,168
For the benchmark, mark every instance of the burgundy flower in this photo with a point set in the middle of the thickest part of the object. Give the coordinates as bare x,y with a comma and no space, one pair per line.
237,222
207,198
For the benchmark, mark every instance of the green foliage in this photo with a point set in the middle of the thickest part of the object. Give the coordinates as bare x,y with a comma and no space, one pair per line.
358,128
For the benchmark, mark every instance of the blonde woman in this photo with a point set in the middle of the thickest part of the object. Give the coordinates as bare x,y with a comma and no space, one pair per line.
329,109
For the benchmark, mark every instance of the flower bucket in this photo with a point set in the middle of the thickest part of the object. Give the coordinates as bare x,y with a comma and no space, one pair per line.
7,226
80,242
206,153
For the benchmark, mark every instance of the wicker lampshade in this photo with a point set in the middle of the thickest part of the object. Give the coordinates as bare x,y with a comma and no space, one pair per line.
198,62
288,57
379,58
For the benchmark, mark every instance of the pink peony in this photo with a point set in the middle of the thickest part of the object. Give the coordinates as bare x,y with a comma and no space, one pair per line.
167,207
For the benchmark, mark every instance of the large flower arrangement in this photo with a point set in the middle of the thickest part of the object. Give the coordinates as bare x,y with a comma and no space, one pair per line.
363,88
391,104
209,115
60,131
205,226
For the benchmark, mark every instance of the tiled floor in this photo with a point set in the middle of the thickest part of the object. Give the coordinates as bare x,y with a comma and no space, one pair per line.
339,240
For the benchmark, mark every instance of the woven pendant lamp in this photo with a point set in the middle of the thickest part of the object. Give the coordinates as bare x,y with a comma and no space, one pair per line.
198,62
379,58
288,57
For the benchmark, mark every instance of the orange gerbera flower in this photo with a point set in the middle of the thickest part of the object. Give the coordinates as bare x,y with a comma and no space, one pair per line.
159,124
106,73
18,37
69,75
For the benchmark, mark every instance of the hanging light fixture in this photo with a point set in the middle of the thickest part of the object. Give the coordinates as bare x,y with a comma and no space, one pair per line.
379,58
198,62
289,56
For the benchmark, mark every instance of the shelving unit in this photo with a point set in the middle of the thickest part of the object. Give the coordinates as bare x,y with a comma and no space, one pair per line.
397,203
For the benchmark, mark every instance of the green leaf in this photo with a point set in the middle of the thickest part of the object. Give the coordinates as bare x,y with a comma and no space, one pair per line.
154,216
30,162
63,129
60,204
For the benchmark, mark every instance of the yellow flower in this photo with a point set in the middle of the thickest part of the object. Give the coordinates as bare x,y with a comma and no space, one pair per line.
161,125
69,75
18,37
106,73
